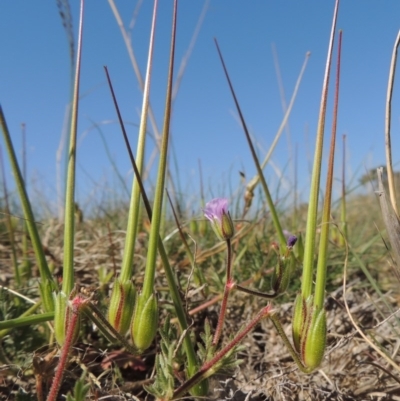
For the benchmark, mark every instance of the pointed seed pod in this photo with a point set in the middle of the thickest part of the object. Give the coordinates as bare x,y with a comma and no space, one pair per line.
145,322
122,305
301,320
315,341
298,320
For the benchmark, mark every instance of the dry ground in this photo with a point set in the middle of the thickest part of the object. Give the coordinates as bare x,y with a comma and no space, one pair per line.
351,369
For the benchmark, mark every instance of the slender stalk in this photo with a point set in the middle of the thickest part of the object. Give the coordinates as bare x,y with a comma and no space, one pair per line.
289,346
133,218
69,227
253,182
26,263
102,323
388,147
174,291
274,214
319,296
127,39
229,285
308,261
208,368
148,284
25,320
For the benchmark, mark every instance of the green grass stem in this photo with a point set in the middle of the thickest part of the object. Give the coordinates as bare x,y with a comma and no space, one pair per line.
10,227
44,270
25,320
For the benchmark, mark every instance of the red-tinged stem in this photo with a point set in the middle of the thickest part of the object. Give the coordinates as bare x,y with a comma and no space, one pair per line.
77,303
208,368
229,285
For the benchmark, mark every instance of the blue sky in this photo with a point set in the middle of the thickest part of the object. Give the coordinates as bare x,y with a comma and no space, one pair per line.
35,86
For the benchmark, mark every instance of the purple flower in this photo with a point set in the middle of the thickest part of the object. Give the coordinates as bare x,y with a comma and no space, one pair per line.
291,240
217,212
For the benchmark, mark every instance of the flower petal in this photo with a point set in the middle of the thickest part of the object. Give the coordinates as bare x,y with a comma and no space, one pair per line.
215,209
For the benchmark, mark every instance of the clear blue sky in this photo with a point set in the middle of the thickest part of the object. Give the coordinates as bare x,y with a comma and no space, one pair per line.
35,85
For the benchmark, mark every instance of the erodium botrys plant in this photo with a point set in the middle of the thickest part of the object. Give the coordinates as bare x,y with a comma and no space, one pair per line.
135,309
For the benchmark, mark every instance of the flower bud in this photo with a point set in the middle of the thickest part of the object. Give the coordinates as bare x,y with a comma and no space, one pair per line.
122,304
291,241
145,322
217,212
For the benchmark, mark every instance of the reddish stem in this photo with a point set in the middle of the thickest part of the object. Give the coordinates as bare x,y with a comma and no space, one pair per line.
77,303
208,367
229,285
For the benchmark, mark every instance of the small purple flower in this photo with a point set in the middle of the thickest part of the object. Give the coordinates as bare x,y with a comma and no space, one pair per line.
217,212
291,240
215,209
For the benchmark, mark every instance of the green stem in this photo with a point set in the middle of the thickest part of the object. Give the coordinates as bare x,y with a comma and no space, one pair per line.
133,218
308,261
274,214
320,280
148,284
229,285
288,344
94,314
69,228
26,206
25,320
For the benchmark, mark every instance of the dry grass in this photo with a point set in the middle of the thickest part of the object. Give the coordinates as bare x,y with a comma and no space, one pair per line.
350,371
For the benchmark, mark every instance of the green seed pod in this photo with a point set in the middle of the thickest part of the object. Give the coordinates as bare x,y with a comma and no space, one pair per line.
145,322
315,341
301,320
122,304
298,321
